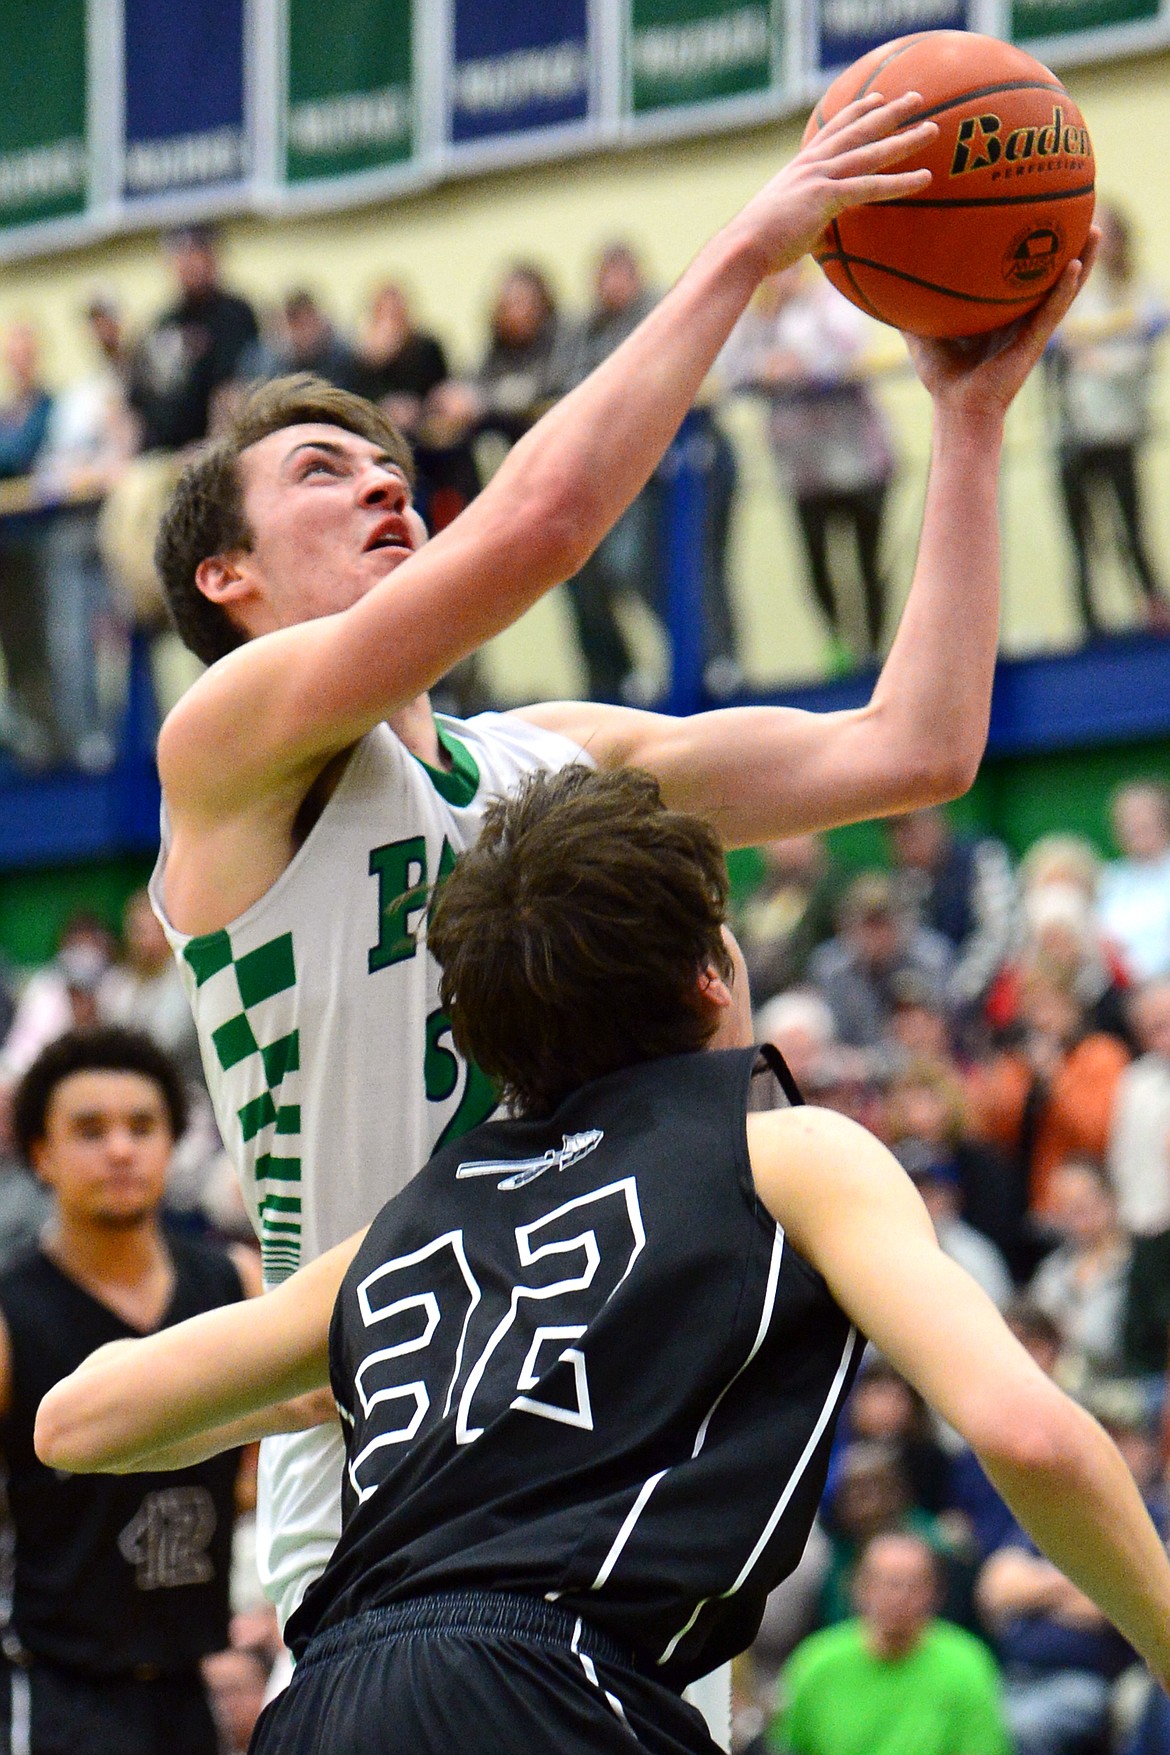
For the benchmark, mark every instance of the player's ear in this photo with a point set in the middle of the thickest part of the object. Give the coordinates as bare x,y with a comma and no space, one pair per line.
713,989
224,578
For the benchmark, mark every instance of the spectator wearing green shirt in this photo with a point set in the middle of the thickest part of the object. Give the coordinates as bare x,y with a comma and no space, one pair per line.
895,1680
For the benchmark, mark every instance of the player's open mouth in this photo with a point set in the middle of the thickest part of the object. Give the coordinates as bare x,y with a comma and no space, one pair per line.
390,534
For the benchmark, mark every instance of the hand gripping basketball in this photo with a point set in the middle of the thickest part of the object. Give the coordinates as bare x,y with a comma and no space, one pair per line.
852,159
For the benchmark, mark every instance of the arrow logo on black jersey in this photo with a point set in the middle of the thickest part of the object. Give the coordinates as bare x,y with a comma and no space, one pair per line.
575,1147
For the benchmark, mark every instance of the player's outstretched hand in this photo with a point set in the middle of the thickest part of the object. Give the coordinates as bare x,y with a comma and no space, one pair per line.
850,160
986,372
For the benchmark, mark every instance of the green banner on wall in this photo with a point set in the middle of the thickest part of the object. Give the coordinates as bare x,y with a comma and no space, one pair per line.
350,88
683,52
44,167
1059,18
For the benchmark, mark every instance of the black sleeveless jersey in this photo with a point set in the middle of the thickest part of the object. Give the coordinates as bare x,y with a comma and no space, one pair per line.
576,1358
111,1573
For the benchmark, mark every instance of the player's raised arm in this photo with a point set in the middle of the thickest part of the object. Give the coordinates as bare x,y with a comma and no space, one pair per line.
215,1381
849,1208
758,772
320,680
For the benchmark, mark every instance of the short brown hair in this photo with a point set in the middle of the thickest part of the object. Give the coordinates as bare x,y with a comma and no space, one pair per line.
573,934
206,516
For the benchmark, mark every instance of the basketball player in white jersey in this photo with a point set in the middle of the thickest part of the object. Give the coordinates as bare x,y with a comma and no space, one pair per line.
311,796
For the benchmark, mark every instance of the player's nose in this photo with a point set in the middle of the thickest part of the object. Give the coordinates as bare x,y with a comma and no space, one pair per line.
379,486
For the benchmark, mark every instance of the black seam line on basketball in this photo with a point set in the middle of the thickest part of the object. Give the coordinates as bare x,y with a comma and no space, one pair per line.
844,260
993,200
893,56
984,91
949,292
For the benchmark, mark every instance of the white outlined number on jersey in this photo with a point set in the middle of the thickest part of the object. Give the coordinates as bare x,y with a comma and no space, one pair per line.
414,1318
427,1311
560,1234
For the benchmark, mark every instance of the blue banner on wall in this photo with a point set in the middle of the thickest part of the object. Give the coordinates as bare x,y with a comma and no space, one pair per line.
184,86
846,29
519,68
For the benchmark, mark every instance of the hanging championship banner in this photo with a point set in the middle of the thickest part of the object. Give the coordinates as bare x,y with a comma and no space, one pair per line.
44,166
518,69
845,29
350,88
184,96
683,52
1032,19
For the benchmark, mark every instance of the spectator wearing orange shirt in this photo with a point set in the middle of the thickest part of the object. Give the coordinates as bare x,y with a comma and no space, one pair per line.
1049,1096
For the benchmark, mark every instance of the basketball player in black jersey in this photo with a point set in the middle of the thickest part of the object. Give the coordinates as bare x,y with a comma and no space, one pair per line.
589,1362
120,1586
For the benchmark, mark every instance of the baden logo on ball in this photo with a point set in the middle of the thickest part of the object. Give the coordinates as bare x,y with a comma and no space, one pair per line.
1010,203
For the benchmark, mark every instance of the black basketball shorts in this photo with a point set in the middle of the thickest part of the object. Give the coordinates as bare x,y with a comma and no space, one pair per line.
481,1673
47,1710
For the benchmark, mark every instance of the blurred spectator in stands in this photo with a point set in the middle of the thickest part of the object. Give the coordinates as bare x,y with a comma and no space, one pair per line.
236,1679
1139,1138
1049,1095
192,349
64,995
788,914
885,1409
927,1121
895,1677
304,340
1062,940
1102,371
399,364
1061,859
1081,1284
523,371
25,411
1060,1655
937,1181
27,710
630,560
1134,897
90,439
799,1024
805,347
869,1492
962,887
24,1202
919,1026
877,941
144,989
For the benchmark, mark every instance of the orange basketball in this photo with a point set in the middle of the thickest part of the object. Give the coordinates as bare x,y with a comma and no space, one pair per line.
1011,199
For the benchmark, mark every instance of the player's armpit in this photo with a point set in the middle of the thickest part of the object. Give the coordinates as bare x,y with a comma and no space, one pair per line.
200,1386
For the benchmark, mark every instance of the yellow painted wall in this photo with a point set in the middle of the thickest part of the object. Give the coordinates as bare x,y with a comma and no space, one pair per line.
451,245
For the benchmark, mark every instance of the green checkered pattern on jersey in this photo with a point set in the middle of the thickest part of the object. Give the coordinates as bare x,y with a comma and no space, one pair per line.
261,974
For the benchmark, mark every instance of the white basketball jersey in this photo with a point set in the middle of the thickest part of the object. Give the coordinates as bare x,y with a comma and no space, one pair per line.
328,1056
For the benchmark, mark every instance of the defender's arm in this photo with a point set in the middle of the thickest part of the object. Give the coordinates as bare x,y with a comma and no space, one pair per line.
849,1209
205,1385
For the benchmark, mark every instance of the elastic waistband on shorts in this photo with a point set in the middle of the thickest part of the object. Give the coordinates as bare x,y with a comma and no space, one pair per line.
474,1614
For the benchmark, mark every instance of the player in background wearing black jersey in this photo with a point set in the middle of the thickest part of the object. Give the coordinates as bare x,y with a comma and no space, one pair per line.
120,1586
590,1359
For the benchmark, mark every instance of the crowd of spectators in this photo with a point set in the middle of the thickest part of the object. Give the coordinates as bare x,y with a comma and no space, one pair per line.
84,470
1005,1027
1006,1030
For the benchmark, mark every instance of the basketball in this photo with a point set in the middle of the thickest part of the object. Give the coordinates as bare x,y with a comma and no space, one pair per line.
1011,199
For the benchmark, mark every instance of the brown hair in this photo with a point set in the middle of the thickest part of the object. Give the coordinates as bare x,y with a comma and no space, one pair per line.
573,934
206,515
